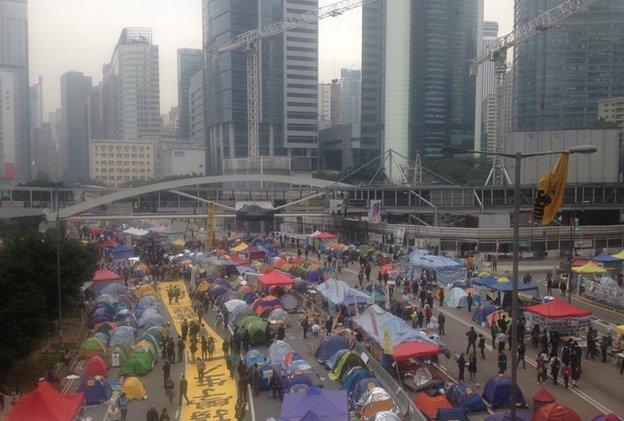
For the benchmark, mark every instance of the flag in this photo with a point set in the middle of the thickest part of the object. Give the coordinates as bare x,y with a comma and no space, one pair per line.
550,190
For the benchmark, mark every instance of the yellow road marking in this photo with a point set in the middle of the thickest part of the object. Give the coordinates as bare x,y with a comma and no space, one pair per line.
214,398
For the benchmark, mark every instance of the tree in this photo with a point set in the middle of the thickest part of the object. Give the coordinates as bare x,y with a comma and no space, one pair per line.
28,281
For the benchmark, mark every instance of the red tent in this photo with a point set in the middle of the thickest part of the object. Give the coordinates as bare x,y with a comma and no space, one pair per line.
45,403
556,412
96,366
415,349
105,275
558,309
275,278
238,260
324,236
542,397
105,244
429,405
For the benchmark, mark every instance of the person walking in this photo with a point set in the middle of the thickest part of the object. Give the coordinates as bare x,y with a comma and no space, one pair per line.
152,414
441,321
193,349
555,364
472,340
211,347
305,325
183,390
230,361
502,362
481,345
180,349
501,338
204,347
521,354
420,318
423,297
494,333
461,365
428,314
171,351
185,329
166,371
164,415
122,404
441,297
169,389
472,366
201,366
225,347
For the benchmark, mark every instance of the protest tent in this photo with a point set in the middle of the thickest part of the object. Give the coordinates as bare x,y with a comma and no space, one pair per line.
452,414
329,346
266,304
588,269
255,326
361,388
105,275
542,397
347,361
503,284
447,270
555,412
606,258
253,357
607,417
96,366
45,403
122,335
122,252
619,255
323,236
465,397
333,360
558,309
338,293
481,313
138,363
521,415
456,298
240,247
315,404
275,278
96,390
133,388
353,377
430,405
118,355
376,400
497,391
92,347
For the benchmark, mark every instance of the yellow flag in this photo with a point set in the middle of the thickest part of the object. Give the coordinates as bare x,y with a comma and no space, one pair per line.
550,190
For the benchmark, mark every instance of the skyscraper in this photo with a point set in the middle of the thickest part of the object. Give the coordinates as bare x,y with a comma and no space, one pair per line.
561,74
288,81
133,87
96,113
189,62
486,86
417,93
35,96
196,109
74,136
329,106
350,92
15,134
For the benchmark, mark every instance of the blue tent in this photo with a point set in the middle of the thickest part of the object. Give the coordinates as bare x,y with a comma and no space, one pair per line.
374,287
114,290
122,252
295,379
314,276
277,352
266,372
463,396
456,298
452,414
481,313
144,303
506,416
606,258
362,386
447,270
338,293
96,390
497,392
252,357
353,377
333,360
503,284
153,320
329,346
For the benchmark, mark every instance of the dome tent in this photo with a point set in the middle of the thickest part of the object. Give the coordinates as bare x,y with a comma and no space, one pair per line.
497,391
96,390
96,366
456,298
133,388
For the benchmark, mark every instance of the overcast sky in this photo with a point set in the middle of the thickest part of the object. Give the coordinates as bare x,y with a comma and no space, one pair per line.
81,34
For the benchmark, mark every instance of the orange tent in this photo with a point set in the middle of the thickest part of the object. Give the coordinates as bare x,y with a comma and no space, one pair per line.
429,405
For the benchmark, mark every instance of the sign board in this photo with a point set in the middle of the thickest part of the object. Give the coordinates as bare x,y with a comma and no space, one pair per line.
387,343
364,357
374,237
374,212
336,206
115,359
399,235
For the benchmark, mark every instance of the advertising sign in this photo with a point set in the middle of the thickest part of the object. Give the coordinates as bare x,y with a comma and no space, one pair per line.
374,212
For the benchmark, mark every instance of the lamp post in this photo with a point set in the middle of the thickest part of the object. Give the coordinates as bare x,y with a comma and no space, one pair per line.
517,157
58,265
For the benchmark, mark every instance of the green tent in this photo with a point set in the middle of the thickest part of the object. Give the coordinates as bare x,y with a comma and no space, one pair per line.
91,347
256,329
242,321
347,361
140,362
156,332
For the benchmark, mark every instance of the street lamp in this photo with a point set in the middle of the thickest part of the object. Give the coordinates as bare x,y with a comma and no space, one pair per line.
517,157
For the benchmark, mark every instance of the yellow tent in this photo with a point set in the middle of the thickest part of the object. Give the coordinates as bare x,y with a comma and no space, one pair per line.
144,290
241,247
620,329
620,255
203,286
589,267
179,243
133,388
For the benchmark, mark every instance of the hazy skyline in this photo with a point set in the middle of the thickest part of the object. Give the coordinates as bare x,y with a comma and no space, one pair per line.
80,35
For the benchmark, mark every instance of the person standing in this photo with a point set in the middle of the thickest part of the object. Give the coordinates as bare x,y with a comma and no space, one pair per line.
441,321
481,345
171,351
180,349
423,297
521,354
494,333
461,365
472,339
469,301
502,362
193,349
204,347
501,338
164,416
360,277
305,325
183,390
472,366
604,347
201,366
185,329
555,364
420,318
122,404
225,347
169,389
166,371
441,297
211,347
152,414
566,373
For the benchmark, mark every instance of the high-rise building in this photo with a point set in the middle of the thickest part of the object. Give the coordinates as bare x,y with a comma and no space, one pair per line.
415,74
45,159
74,134
116,161
196,109
133,87
15,158
96,113
328,104
350,92
560,74
288,81
35,97
611,110
486,86
171,123
190,61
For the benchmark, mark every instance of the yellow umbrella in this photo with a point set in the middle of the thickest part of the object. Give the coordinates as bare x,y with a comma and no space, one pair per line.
590,267
620,329
241,247
620,255
502,280
179,243
203,286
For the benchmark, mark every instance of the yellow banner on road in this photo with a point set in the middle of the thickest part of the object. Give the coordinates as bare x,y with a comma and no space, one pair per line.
215,397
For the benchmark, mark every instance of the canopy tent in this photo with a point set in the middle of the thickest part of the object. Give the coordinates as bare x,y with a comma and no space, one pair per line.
122,252
588,268
275,278
105,244
604,257
497,391
464,396
323,236
481,313
315,404
406,341
503,284
96,390
45,403
555,411
105,275
456,298
338,293
619,255
254,253
558,309
136,232
447,270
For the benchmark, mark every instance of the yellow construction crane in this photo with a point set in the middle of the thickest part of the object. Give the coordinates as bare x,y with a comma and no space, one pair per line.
210,231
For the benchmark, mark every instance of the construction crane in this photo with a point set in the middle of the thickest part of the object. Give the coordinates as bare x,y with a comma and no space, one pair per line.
497,53
210,231
249,41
